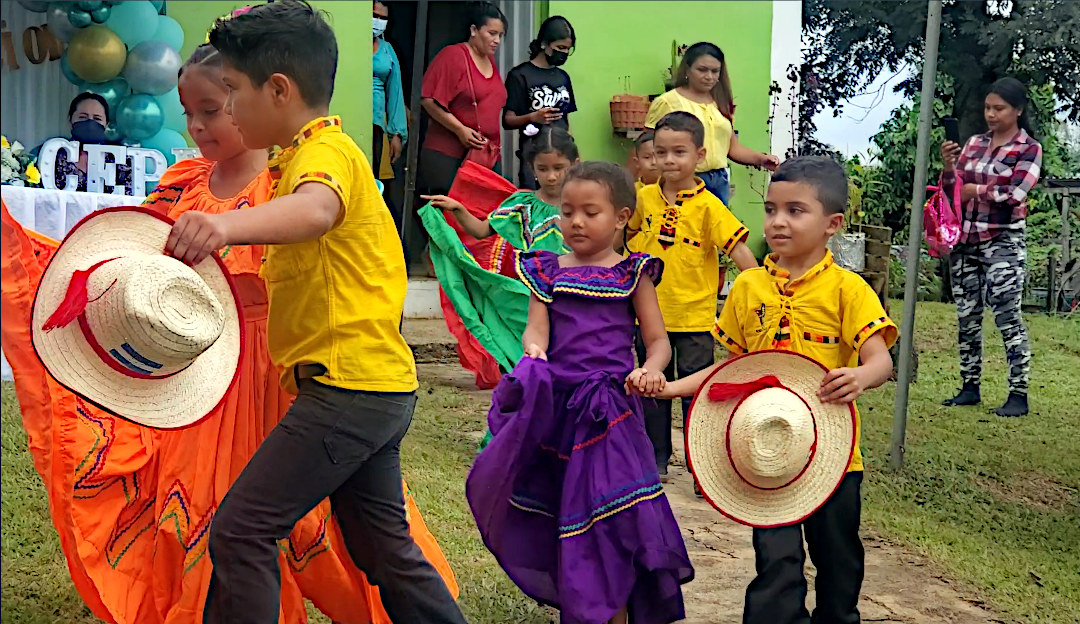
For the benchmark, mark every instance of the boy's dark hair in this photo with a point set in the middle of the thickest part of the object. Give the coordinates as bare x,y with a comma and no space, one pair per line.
284,37
821,172
205,55
647,136
480,13
86,95
681,121
551,139
613,177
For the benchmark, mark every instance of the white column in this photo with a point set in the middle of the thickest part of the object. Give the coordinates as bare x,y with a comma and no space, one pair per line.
786,53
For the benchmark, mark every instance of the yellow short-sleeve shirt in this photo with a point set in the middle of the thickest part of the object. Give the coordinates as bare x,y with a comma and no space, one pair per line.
827,314
686,235
338,300
718,129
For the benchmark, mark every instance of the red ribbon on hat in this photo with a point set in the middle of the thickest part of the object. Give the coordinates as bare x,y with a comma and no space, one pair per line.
730,391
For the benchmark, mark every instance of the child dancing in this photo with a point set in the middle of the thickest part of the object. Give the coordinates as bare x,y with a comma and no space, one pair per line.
567,495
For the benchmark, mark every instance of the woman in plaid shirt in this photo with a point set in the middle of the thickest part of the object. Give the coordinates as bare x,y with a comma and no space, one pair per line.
996,170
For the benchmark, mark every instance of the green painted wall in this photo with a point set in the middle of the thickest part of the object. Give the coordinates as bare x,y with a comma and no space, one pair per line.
630,42
352,24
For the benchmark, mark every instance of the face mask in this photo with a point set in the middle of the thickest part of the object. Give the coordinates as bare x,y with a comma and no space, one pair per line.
557,57
88,131
378,26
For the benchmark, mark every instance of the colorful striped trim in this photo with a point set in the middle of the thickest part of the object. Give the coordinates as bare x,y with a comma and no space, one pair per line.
727,341
610,509
321,176
739,236
821,339
280,158
870,329
616,283
782,338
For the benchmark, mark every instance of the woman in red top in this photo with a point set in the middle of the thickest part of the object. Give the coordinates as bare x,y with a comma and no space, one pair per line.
464,97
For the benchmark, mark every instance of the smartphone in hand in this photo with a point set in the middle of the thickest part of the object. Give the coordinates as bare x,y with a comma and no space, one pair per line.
952,129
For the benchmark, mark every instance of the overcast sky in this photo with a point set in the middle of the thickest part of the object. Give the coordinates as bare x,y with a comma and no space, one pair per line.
862,117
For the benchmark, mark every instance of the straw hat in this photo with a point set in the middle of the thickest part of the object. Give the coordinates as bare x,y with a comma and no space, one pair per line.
132,330
765,450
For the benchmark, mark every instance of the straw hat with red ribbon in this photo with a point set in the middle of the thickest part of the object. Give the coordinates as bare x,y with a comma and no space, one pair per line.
765,450
132,330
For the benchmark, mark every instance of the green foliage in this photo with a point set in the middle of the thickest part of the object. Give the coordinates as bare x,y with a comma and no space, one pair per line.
929,278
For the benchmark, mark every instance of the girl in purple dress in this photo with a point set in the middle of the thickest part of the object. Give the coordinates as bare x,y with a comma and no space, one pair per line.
567,495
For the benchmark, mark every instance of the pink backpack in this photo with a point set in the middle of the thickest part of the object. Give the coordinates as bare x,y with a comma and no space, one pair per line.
941,220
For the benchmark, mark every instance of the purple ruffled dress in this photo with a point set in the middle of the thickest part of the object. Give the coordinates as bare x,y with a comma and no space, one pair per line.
566,495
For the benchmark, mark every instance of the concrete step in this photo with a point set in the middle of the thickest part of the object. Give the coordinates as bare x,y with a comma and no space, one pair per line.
422,299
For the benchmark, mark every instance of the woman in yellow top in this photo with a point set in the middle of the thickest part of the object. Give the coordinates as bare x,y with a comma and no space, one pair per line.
703,89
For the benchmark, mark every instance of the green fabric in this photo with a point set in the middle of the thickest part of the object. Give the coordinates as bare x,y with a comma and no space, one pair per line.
494,308
528,223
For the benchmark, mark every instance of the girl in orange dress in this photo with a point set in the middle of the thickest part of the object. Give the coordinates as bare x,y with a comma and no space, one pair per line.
133,505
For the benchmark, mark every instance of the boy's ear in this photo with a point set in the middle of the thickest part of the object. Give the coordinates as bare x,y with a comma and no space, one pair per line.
701,154
835,221
282,88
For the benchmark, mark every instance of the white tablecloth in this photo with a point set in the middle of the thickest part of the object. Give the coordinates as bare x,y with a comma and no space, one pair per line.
53,213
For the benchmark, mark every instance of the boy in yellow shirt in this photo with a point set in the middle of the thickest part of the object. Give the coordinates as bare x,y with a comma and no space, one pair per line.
802,301
682,223
336,280
646,169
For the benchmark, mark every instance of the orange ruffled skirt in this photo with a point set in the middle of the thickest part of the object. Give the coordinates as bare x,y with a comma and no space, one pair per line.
132,506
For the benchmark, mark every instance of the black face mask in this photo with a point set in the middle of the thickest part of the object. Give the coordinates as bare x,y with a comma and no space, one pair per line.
557,57
88,131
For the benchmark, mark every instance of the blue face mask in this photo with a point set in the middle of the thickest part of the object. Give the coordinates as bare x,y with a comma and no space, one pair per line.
88,131
378,26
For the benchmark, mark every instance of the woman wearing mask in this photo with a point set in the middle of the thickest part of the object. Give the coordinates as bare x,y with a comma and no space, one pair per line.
389,125
996,170
88,115
703,89
539,92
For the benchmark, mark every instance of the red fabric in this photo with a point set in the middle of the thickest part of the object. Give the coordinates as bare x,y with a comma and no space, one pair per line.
481,190
447,83
728,391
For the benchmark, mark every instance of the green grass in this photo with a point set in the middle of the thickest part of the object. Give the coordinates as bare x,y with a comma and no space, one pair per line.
992,502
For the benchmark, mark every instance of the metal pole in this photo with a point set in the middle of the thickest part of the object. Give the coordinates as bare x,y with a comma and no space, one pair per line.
412,152
918,195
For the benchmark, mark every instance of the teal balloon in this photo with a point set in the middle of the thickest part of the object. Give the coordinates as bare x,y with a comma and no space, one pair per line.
169,31
79,18
172,110
159,6
134,21
89,5
114,91
138,117
101,14
111,133
65,68
164,142
37,6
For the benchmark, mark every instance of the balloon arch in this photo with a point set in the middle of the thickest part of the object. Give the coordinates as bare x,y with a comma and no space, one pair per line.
128,52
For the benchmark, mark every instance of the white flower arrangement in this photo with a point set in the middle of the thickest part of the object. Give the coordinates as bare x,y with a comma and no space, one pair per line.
17,165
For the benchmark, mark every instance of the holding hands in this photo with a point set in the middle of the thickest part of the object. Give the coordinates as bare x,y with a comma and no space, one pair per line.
642,381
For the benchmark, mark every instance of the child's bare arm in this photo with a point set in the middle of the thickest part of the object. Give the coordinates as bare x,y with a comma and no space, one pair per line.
653,332
306,214
537,330
844,385
473,226
743,257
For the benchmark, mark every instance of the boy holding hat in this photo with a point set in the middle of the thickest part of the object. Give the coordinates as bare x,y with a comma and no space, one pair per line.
800,302
336,279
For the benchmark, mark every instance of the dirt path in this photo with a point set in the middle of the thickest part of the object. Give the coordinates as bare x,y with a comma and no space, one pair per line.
900,588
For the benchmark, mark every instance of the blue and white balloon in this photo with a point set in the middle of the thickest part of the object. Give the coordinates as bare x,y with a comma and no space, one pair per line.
152,67
138,117
56,18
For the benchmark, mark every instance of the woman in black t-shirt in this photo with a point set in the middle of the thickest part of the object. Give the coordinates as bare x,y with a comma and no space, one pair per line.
538,92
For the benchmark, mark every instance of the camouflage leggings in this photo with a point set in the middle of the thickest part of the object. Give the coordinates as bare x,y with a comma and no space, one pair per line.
992,272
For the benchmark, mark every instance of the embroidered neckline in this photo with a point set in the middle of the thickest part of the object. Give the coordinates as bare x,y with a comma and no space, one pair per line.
783,278
280,157
544,277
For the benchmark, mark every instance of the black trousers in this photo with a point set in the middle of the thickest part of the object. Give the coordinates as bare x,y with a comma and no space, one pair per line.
690,352
777,595
337,443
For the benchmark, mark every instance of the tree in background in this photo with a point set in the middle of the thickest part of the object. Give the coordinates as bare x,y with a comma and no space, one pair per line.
849,43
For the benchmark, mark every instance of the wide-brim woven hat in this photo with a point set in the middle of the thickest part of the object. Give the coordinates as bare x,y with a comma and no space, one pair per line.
765,450
133,331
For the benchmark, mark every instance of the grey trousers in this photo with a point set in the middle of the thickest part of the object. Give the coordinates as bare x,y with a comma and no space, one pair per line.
992,272
332,443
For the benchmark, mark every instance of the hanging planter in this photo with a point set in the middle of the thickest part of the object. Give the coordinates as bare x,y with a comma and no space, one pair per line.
628,112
